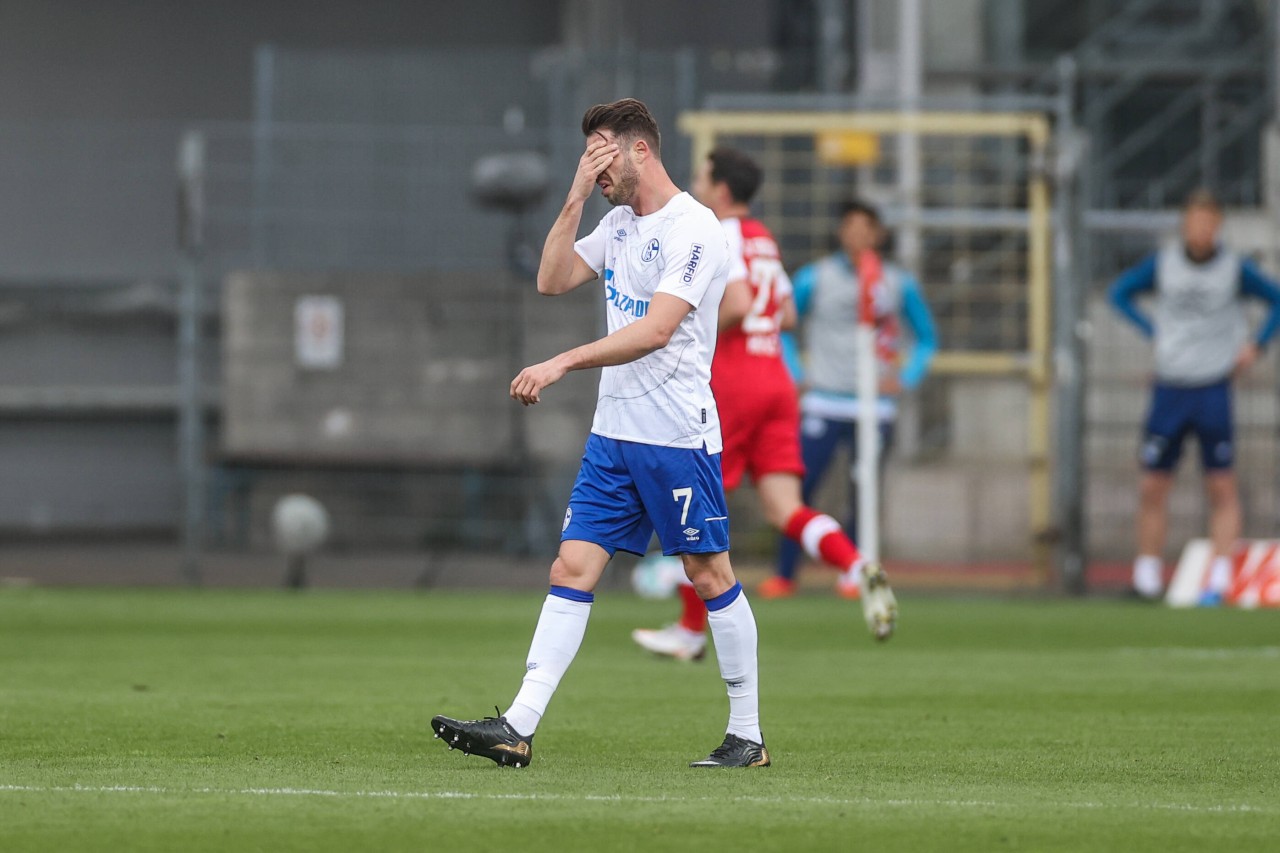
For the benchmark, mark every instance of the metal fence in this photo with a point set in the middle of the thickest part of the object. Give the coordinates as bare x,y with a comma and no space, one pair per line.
966,199
360,163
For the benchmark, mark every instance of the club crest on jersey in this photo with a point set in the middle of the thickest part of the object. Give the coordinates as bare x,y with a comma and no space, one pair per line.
650,250
695,257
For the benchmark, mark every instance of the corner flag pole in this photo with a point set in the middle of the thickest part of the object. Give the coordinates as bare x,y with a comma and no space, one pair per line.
868,445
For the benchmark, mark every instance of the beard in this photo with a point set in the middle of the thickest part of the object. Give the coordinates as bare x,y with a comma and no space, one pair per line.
624,191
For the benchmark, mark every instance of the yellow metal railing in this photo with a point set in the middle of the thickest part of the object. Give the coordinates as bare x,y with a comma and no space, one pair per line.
1032,364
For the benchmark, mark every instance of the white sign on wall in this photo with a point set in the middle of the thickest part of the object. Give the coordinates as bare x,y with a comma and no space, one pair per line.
317,336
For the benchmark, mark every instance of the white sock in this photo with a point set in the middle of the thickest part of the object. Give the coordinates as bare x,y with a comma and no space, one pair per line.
1220,574
1148,575
733,630
560,629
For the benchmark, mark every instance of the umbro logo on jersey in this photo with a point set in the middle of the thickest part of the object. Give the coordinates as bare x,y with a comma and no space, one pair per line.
622,233
695,256
650,250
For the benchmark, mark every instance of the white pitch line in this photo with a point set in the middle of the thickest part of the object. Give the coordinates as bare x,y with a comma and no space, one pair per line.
1264,652
621,798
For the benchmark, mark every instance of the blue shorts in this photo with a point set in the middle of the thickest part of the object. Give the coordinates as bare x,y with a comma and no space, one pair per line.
1177,410
626,492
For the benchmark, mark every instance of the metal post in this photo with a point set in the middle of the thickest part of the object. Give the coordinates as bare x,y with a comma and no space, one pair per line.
686,88
910,87
191,432
1273,77
264,83
1039,335
1209,144
1271,156
1068,338
522,265
833,59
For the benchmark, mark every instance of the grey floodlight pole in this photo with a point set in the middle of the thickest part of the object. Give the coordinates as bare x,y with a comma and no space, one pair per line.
191,432
1070,336
516,183
910,86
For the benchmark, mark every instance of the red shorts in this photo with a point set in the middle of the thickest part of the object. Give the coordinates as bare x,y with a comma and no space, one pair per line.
761,432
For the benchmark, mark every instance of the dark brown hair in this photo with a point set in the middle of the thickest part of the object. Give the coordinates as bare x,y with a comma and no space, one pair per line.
857,207
1203,198
737,171
629,120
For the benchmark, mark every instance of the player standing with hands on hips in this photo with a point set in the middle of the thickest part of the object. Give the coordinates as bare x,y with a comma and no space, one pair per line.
1202,343
652,460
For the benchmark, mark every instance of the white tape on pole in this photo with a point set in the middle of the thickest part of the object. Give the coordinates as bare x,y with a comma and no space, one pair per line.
868,446
868,472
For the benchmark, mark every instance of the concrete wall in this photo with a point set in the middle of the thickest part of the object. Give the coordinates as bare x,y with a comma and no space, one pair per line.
159,60
412,440
87,427
973,502
425,367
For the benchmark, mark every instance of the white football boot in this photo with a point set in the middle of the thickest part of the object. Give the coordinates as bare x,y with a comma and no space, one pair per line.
674,641
879,607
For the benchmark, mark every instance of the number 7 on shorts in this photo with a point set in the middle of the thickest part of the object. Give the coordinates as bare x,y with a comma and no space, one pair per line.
687,495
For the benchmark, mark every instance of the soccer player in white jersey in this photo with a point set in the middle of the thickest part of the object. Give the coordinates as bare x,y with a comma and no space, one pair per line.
652,460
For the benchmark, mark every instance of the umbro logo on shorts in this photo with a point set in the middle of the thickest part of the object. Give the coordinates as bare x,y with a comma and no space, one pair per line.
691,533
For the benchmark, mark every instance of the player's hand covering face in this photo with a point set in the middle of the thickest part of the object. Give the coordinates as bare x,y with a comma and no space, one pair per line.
620,178
599,154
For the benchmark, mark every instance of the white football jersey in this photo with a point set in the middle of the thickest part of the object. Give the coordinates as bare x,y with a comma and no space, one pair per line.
664,398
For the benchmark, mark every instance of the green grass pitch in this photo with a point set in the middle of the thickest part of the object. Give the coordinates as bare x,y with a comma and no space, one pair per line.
179,720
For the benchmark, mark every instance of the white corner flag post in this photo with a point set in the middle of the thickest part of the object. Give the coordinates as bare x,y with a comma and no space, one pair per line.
868,445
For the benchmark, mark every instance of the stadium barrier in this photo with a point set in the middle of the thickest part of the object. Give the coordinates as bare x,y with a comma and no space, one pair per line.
967,197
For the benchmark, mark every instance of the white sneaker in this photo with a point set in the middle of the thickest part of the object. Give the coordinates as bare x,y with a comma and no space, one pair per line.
1148,579
675,641
849,584
879,607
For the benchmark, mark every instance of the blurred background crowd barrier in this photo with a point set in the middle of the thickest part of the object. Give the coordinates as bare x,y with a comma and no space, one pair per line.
205,308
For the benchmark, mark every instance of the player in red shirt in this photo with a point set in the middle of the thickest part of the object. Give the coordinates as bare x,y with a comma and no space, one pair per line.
759,411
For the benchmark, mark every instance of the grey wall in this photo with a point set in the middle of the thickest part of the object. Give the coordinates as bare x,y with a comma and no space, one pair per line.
94,95
71,475
426,361
159,59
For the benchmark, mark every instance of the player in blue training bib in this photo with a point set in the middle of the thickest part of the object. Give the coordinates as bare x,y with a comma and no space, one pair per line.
1202,345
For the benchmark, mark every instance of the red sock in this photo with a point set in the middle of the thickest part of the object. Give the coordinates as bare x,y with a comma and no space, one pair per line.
694,615
821,537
